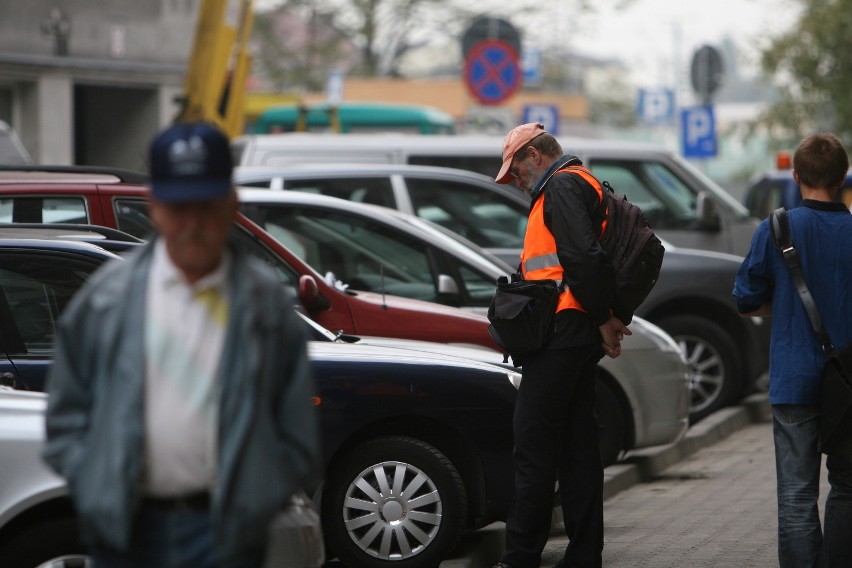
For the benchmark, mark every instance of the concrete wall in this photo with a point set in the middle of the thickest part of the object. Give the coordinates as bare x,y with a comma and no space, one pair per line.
100,101
144,30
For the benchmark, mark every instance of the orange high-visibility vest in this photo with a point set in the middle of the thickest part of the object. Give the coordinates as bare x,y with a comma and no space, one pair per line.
538,259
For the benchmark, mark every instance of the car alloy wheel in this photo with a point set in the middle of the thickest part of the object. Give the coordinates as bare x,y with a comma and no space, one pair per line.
394,500
716,376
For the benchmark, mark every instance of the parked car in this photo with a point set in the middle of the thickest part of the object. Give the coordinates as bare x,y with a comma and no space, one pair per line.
37,524
776,188
377,249
117,199
437,424
642,396
684,206
491,215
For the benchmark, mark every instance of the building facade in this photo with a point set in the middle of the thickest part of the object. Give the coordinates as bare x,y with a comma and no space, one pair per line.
89,83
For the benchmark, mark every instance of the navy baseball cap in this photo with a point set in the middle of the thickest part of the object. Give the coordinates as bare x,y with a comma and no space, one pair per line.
190,161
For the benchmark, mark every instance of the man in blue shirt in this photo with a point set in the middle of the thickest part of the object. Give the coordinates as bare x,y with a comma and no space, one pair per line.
821,230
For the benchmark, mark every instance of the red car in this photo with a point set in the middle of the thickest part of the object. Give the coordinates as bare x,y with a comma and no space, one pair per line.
116,198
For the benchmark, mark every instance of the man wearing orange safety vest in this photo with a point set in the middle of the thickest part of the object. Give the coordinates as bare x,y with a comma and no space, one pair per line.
555,428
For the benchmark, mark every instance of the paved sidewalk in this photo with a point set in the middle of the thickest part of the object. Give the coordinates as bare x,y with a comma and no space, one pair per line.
706,502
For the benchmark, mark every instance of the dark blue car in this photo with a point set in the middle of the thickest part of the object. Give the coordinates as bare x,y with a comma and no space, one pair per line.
776,189
417,445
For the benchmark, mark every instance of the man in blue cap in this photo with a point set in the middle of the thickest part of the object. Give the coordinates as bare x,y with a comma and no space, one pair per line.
180,397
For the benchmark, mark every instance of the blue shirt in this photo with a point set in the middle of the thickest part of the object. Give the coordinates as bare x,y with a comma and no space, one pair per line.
822,234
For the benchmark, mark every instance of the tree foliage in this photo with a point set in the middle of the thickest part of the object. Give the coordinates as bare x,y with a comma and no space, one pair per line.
365,37
810,66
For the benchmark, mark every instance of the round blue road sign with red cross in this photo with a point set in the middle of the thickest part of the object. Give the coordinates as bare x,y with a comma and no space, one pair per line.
492,72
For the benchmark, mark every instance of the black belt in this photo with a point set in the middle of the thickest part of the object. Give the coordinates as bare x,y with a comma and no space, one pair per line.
193,502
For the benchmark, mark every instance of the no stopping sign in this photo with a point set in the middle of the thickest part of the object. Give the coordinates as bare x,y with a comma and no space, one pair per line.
492,72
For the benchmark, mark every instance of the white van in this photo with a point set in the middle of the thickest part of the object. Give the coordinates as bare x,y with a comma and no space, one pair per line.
682,204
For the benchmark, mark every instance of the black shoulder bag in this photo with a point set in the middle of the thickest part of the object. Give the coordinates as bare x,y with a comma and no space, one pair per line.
836,388
522,315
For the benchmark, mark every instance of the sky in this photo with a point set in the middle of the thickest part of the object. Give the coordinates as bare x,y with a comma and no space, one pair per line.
653,37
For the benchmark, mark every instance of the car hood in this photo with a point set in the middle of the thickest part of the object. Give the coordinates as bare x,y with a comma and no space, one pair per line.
646,336
404,352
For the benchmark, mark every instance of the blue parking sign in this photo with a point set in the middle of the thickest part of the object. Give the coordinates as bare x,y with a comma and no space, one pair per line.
698,132
547,115
656,106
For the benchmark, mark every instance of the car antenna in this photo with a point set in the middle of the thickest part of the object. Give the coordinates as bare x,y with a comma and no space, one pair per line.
382,284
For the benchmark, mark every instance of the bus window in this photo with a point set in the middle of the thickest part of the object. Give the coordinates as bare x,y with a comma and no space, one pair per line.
355,117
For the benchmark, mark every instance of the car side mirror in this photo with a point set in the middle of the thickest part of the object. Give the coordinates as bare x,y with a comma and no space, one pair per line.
309,294
447,285
8,380
706,214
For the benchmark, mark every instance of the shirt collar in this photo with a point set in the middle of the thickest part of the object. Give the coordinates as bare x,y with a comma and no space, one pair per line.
564,161
166,274
824,205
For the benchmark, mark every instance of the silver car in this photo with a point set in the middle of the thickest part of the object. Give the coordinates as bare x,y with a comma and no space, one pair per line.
683,204
37,524
380,249
371,248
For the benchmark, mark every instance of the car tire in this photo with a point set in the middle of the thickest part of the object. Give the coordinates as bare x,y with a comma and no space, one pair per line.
611,423
53,543
367,525
716,372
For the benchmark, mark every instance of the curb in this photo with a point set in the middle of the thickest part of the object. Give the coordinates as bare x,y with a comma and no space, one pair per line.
483,547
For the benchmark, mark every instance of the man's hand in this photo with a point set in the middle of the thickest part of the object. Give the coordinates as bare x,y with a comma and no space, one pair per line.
612,332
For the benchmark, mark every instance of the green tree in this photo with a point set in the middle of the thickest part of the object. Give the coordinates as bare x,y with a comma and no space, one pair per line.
810,66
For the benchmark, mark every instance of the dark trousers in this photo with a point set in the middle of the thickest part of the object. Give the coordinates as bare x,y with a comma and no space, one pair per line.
171,539
556,437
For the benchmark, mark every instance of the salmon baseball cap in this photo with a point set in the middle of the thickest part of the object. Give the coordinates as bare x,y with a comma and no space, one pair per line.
517,138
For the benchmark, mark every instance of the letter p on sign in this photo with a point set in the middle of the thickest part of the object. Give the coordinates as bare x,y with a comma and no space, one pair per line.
698,132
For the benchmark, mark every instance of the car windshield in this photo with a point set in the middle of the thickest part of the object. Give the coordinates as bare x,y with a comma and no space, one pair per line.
485,217
372,256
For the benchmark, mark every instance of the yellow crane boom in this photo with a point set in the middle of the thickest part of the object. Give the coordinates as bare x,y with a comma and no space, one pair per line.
214,88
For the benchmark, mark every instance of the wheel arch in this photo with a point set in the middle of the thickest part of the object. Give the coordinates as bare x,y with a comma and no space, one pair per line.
605,378
50,509
718,312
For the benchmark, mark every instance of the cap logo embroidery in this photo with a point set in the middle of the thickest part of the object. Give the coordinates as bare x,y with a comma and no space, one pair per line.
188,157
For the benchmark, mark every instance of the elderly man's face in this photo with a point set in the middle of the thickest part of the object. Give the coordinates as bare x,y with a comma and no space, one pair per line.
195,233
524,168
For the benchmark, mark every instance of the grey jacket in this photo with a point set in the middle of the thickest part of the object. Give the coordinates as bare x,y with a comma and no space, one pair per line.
268,430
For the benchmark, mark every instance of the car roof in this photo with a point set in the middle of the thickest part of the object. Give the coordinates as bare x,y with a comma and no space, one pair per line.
77,247
322,169
104,237
465,143
70,174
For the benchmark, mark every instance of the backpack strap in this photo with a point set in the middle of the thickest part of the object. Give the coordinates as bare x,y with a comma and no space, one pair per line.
601,211
779,226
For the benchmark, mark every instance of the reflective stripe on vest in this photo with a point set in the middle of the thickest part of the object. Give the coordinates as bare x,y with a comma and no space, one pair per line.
539,260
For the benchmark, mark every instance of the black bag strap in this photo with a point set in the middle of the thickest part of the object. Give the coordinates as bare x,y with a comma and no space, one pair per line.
780,227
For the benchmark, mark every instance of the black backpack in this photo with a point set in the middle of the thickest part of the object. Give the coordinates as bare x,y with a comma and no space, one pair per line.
634,250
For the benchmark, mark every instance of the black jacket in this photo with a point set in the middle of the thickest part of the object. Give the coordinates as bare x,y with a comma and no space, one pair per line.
572,214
